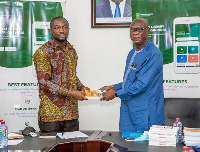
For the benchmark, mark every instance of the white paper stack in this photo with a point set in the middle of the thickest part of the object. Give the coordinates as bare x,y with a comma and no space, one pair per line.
73,134
15,136
191,136
162,135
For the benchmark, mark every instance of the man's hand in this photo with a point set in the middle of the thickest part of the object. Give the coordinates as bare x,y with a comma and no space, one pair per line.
85,88
107,88
108,95
79,95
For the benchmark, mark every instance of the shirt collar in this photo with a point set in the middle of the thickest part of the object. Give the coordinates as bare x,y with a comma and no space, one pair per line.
54,44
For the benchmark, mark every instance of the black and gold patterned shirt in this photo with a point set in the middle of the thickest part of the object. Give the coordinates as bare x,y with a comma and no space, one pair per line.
56,74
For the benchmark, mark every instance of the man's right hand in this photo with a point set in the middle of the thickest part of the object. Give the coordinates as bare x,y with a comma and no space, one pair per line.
107,88
79,95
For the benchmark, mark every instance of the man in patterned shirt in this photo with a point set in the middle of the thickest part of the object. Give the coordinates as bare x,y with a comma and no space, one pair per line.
59,87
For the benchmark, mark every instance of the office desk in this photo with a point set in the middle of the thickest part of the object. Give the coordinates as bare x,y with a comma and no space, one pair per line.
35,144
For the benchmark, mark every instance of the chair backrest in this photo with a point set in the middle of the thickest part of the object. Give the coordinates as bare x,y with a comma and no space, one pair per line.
187,109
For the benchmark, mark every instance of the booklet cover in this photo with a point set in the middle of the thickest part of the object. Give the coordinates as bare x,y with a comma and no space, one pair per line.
93,94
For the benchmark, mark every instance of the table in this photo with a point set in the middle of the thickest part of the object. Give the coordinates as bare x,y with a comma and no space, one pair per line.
140,146
36,145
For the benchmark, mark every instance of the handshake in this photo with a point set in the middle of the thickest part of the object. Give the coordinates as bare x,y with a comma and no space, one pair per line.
105,93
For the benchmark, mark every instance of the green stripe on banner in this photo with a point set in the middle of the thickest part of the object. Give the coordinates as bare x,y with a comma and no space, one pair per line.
16,29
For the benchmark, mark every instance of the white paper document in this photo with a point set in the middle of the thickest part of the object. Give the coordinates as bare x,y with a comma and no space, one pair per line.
14,141
74,134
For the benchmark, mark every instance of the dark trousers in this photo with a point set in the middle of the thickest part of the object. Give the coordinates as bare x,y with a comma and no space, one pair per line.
59,126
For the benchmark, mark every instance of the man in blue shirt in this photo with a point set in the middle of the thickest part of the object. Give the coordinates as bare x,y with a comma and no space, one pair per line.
141,92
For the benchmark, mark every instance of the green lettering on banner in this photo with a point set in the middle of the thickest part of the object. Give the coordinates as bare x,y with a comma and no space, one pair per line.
13,84
29,84
22,84
175,81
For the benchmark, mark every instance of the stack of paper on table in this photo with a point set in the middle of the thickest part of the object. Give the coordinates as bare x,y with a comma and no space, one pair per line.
191,136
15,136
73,134
48,135
162,135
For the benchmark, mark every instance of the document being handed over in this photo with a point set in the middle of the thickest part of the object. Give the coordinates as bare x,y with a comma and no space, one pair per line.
93,94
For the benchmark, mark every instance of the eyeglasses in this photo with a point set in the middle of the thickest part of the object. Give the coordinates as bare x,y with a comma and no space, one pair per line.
139,30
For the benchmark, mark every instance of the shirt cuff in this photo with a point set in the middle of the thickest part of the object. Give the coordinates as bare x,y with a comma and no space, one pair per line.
121,93
80,88
118,86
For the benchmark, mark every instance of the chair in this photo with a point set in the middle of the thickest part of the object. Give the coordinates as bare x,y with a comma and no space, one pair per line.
187,109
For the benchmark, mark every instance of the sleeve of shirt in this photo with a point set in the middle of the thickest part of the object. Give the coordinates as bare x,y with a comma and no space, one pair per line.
79,84
118,86
44,75
145,75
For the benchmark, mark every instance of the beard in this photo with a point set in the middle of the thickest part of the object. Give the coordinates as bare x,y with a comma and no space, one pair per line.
60,40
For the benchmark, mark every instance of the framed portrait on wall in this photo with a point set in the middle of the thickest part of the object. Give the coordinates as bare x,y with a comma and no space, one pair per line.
111,13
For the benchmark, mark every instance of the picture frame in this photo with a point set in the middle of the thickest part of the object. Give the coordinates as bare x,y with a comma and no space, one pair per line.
98,20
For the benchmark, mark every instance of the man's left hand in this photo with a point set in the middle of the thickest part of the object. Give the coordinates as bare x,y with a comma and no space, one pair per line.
108,95
85,88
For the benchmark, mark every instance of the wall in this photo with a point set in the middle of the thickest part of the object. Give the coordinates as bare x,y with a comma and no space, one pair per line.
102,54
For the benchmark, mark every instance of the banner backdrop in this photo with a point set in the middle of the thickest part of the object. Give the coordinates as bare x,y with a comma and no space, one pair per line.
181,63
23,28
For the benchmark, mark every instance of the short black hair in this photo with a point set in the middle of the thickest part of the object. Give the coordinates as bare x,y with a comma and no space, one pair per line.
55,18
